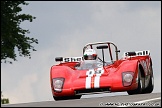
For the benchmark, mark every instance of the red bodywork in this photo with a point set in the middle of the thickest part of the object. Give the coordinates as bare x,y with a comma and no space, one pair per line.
109,80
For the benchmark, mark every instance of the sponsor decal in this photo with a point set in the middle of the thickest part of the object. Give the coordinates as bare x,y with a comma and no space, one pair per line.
72,59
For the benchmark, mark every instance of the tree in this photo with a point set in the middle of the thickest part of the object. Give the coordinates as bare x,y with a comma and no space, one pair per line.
13,37
4,100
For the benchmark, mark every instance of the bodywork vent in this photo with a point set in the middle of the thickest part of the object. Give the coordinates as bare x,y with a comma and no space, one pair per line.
92,91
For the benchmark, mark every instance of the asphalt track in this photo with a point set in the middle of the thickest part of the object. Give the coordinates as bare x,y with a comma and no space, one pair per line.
140,100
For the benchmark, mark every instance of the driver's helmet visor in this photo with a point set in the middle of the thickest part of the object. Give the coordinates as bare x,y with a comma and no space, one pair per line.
90,57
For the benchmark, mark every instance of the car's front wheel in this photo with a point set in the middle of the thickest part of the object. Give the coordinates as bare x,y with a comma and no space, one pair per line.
140,85
150,86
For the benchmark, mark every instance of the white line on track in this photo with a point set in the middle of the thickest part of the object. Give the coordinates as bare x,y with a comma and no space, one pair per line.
138,102
148,100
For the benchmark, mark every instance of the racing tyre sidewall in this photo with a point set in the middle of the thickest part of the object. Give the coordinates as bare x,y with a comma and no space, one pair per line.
140,85
150,86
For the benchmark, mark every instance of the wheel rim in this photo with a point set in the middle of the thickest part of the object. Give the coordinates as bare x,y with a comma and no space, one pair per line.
152,81
141,83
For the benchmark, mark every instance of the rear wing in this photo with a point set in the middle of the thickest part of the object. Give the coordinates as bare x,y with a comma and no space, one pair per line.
136,53
68,59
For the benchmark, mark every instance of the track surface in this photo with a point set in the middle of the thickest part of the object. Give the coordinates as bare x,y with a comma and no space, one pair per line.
145,100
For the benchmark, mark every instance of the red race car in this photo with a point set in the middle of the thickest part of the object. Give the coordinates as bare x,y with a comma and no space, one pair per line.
77,76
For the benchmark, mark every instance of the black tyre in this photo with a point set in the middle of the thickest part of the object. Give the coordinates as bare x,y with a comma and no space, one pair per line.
66,97
140,85
150,86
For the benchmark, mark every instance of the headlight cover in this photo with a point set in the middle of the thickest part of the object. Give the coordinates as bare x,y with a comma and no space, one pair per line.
58,84
127,78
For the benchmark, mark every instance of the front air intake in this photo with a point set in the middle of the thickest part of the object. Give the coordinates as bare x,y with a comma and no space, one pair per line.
92,91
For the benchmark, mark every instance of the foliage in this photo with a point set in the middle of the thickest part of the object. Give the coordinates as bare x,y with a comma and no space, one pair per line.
13,37
4,100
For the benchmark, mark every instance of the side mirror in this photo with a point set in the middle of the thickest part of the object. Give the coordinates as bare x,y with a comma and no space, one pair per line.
59,59
130,54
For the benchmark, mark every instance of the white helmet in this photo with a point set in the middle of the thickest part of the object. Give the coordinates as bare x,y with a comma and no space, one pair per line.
90,54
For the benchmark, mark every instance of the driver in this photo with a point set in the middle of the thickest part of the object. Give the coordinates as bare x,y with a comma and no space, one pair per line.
90,54
90,59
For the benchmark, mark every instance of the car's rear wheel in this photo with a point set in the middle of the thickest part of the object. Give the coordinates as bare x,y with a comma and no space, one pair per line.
66,97
140,85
